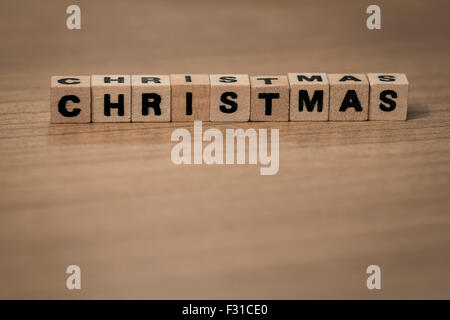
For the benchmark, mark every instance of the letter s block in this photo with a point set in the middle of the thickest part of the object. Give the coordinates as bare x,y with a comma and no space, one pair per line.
230,97
70,99
310,96
388,96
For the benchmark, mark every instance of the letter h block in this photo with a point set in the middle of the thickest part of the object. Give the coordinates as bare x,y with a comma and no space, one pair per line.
70,99
111,98
310,96
230,97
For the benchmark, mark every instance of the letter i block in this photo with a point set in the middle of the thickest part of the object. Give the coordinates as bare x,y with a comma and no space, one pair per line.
111,98
150,98
230,97
388,96
349,97
310,96
269,98
70,99
190,97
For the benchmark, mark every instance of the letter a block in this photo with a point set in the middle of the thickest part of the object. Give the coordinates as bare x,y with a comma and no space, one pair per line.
111,98
150,98
230,97
269,98
388,96
70,99
190,97
349,97
310,96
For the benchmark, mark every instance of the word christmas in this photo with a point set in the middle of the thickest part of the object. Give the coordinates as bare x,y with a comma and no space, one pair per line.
232,97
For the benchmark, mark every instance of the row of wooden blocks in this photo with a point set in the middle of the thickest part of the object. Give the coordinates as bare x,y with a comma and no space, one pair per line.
232,97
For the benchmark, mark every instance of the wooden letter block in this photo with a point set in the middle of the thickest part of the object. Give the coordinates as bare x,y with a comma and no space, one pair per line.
230,97
310,96
269,98
111,98
70,99
150,98
190,97
349,97
388,96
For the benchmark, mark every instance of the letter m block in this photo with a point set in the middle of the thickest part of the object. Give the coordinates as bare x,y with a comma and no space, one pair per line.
309,100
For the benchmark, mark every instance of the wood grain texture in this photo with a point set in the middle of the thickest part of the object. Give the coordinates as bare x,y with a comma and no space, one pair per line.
108,198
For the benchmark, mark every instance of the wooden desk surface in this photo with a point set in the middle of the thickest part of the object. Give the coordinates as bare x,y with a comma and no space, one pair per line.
108,198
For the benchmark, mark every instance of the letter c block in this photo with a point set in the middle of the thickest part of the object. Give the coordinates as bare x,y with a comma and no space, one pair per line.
70,99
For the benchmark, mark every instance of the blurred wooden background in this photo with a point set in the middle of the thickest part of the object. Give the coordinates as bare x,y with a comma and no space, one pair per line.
108,198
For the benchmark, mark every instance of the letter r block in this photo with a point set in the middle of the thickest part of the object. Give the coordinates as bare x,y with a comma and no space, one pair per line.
310,96
70,99
150,98
111,98
388,96
349,97
269,98
230,97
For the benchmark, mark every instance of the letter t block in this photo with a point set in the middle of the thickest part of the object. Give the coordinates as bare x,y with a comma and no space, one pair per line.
269,98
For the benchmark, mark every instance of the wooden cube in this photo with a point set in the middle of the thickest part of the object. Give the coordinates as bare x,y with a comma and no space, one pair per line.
70,99
269,98
230,97
111,98
190,97
349,97
309,97
388,96
150,98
